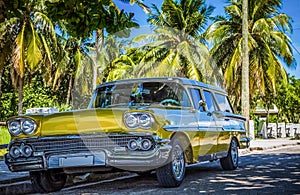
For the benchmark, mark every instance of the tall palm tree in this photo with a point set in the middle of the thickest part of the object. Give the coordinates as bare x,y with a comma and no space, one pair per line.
269,45
72,62
34,40
6,40
177,47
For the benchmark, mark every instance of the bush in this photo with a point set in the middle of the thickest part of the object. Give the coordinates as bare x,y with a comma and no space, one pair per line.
4,139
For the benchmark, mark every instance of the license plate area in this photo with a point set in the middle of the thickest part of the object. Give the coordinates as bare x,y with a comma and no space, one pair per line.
75,160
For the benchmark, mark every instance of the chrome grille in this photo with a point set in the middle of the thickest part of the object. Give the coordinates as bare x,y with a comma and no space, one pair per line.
80,143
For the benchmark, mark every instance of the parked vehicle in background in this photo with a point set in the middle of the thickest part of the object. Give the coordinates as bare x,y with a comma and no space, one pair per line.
138,125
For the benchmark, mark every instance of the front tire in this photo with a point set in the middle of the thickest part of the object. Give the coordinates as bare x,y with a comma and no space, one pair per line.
231,161
172,174
48,181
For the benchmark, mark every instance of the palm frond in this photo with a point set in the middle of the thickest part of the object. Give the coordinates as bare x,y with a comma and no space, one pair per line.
34,54
18,52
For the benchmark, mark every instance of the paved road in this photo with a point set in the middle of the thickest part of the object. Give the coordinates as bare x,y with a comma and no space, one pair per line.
274,171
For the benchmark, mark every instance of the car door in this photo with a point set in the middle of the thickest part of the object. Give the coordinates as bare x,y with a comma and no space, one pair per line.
208,133
224,121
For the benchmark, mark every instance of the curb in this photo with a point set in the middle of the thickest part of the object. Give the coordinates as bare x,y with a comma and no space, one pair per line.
272,147
261,148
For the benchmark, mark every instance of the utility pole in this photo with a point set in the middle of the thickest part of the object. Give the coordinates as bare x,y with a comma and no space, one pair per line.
245,65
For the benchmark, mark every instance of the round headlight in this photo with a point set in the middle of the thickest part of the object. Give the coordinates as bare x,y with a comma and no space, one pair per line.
146,144
131,121
145,121
28,126
14,127
27,151
15,152
132,144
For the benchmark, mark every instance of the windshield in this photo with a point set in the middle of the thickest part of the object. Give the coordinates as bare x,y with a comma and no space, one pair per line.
139,94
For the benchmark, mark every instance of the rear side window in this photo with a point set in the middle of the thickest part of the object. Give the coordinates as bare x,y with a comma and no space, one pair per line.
210,102
195,93
223,102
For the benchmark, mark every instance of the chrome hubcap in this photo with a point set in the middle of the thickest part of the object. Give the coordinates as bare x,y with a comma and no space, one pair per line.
234,152
178,162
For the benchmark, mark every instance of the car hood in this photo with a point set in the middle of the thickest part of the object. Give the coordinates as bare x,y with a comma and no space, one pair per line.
92,121
82,122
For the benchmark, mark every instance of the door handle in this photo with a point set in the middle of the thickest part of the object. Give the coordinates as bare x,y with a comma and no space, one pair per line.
227,119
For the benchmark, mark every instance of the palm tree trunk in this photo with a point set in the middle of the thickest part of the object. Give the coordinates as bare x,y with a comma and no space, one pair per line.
69,91
1,73
245,66
98,45
20,95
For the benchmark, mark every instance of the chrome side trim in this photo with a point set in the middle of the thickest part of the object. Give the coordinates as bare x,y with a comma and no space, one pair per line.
214,156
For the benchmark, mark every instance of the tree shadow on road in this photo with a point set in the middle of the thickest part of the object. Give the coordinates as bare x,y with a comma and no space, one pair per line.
257,173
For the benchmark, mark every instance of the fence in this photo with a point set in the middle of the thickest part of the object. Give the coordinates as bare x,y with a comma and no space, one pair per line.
280,130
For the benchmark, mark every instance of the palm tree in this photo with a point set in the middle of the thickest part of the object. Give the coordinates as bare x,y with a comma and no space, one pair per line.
34,39
188,16
72,59
177,47
172,53
268,44
6,40
125,64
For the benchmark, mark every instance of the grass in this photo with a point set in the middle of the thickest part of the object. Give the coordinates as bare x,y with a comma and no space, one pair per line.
4,139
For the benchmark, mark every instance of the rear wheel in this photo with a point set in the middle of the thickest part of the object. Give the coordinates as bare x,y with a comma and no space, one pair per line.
231,161
48,181
172,174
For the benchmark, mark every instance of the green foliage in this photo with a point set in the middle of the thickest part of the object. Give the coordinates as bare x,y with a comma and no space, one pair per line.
35,95
8,105
38,97
288,100
81,18
29,44
4,138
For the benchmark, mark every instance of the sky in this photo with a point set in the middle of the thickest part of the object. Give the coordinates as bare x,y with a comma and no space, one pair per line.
289,7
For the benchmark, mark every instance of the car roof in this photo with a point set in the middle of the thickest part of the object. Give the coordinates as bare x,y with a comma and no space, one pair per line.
183,81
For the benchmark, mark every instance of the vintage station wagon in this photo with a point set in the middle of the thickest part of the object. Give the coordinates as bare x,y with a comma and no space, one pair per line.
138,125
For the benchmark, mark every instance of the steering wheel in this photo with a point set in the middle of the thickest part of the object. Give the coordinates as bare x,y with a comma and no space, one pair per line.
167,102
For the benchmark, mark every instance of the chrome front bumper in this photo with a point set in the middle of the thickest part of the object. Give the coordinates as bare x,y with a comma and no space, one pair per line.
127,160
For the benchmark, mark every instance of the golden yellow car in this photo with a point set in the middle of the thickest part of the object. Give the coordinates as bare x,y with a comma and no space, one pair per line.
138,125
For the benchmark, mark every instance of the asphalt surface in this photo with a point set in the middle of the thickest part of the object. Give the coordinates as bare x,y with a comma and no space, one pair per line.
19,183
273,171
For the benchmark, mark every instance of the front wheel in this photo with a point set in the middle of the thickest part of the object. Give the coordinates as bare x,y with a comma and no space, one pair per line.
48,181
231,161
172,174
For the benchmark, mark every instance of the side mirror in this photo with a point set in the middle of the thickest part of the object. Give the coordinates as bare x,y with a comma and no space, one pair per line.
202,103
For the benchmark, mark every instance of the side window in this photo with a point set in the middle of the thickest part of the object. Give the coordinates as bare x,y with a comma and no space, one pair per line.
223,102
210,102
185,100
196,97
